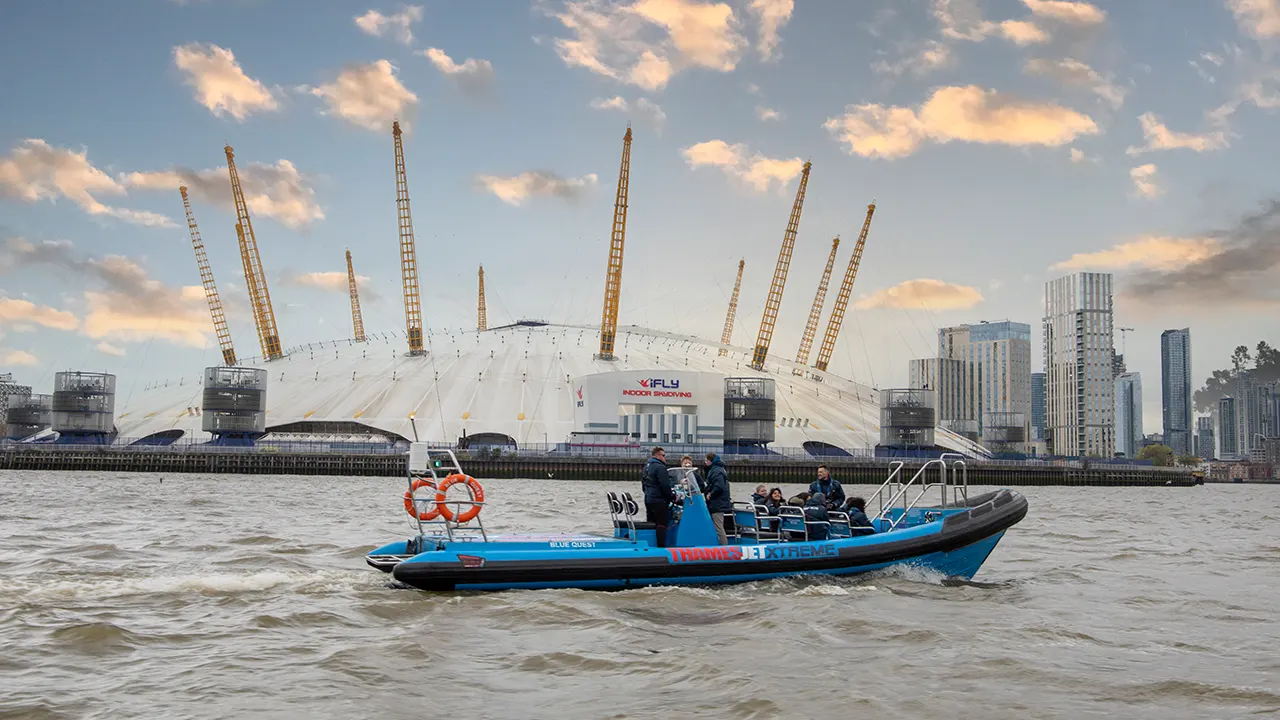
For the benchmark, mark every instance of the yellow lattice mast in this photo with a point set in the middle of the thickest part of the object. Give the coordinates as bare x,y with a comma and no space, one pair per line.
264,318
842,299
613,280
408,253
811,327
482,317
210,290
357,320
727,335
779,276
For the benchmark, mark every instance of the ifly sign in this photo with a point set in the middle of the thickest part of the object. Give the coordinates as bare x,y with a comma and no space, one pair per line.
660,383
657,387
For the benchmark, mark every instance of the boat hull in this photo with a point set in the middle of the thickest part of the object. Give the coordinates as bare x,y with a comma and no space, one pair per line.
954,546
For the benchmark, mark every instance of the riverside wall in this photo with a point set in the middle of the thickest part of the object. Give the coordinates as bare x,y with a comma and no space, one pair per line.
856,471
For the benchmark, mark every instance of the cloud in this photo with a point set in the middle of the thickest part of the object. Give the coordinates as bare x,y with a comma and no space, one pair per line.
773,15
1144,181
970,114
20,357
1260,18
367,95
125,303
1073,72
930,56
515,189
220,83
37,171
1070,13
276,191
924,293
471,75
1243,271
962,20
646,42
335,281
737,160
1078,156
644,109
107,348
765,114
25,311
1150,252
1160,137
397,25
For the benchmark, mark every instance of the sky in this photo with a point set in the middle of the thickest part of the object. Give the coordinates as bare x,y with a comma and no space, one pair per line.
1004,142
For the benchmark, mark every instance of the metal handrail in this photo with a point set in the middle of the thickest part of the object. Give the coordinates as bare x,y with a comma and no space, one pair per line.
905,486
896,466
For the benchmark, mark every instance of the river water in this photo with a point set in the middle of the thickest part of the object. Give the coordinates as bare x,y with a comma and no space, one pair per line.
194,596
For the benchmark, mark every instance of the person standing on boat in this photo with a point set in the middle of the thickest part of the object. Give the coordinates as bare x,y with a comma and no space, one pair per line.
659,495
719,499
829,487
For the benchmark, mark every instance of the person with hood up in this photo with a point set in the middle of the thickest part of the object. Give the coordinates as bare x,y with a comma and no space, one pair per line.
829,487
659,494
816,509
719,499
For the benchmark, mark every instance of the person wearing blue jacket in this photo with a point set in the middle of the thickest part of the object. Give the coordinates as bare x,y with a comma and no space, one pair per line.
859,524
829,487
816,509
659,495
719,499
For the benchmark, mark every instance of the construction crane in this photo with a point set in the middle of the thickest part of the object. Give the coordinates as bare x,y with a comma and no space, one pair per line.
779,276
1124,338
210,290
408,253
811,327
482,317
613,280
264,318
842,298
357,320
727,335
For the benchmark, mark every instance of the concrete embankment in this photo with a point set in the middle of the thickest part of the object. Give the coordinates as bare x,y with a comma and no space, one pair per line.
854,471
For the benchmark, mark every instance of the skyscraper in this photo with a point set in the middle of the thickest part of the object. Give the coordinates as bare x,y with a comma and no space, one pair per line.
1037,406
1204,438
997,357
948,379
1228,445
1128,414
1175,386
1078,348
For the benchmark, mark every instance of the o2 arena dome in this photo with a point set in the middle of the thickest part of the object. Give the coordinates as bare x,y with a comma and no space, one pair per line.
531,383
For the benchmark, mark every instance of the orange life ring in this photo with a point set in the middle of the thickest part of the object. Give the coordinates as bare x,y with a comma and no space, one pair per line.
477,494
430,512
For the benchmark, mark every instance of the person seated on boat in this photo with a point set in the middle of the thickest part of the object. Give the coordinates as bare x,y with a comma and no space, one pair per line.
759,497
800,499
859,524
719,499
829,487
774,501
659,494
816,509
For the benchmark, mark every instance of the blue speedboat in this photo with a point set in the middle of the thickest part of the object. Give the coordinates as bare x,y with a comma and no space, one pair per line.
451,549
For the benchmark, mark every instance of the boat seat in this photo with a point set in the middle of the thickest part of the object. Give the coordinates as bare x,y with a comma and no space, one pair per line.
615,505
838,527
639,525
632,508
791,522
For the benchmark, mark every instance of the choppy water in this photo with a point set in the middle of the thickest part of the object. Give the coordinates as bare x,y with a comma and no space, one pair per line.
240,596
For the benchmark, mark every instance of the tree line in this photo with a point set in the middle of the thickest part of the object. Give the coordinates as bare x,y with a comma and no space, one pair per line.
1266,368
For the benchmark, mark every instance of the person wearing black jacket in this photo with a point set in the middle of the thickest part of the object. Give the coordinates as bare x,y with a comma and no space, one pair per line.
816,509
719,499
858,522
828,486
655,481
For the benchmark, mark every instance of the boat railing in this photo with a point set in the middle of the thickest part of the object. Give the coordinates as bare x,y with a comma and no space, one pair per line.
438,464
956,476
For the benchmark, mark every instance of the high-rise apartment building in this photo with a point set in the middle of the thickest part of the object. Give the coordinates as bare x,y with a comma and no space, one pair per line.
1128,390
948,379
1175,389
1037,406
1228,445
997,358
1078,350
1204,438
